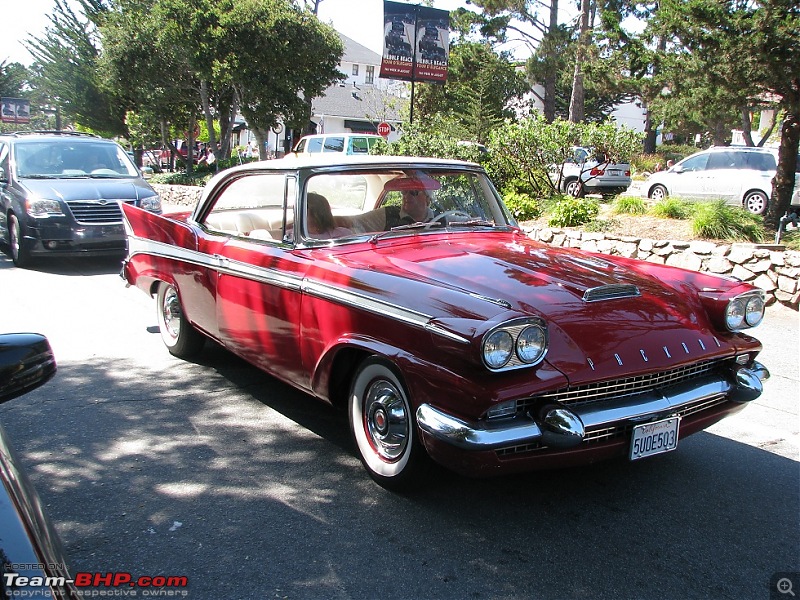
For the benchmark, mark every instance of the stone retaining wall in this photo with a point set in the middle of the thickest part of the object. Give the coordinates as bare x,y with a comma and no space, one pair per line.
774,270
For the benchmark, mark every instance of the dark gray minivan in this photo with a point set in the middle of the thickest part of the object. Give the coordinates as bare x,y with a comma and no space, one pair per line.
60,195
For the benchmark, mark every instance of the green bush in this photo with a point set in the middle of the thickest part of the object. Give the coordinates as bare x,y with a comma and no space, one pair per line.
180,178
522,206
672,208
791,239
717,220
572,212
629,205
602,225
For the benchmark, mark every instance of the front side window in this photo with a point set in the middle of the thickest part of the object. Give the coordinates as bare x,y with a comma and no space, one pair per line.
695,163
315,145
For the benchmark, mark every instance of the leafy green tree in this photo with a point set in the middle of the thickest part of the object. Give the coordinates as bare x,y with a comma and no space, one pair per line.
524,156
750,47
479,92
66,68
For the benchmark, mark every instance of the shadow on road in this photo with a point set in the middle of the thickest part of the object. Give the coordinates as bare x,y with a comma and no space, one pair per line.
217,471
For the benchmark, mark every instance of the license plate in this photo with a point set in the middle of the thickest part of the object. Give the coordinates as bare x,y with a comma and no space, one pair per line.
613,172
654,438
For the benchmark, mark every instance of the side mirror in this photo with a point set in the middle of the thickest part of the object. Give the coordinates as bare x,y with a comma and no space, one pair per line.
26,362
677,169
3,178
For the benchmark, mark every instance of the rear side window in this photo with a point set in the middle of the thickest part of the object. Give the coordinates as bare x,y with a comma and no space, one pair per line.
334,144
759,161
358,145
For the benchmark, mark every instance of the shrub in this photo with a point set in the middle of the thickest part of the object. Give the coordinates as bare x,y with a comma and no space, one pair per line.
602,225
717,220
791,239
522,206
180,178
671,208
571,212
629,205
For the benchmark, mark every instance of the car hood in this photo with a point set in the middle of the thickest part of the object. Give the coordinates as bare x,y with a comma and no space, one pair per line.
466,279
89,189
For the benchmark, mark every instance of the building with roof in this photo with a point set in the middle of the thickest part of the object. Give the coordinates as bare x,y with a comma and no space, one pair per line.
363,99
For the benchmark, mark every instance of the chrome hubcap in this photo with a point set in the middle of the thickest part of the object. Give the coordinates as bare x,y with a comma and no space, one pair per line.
386,420
171,312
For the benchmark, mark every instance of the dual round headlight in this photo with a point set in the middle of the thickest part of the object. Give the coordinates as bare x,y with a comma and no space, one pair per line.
744,311
516,345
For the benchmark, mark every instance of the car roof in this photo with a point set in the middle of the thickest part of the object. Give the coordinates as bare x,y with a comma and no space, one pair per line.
337,159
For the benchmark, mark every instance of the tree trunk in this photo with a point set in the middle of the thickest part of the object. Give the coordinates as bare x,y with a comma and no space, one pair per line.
549,101
784,180
747,126
206,103
576,101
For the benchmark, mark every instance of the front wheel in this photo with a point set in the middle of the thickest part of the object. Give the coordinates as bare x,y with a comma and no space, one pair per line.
658,193
179,336
19,252
756,202
384,427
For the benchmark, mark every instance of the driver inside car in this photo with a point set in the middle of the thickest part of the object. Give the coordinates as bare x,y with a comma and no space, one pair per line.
416,195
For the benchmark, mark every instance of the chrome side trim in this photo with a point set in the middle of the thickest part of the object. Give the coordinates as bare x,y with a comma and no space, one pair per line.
137,245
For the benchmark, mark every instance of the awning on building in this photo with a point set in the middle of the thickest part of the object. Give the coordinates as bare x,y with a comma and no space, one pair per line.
358,126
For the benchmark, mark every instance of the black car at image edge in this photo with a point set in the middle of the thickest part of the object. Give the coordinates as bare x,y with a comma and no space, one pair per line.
60,195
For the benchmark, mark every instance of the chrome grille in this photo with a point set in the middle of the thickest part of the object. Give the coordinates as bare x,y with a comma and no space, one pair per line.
618,388
90,212
612,432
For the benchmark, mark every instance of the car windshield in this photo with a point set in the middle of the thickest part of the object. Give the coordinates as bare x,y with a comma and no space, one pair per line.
71,158
400,201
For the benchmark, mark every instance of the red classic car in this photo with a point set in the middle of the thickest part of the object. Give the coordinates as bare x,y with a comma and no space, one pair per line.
402,290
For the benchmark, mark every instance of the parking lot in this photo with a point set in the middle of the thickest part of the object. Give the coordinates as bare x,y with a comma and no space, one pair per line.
215,471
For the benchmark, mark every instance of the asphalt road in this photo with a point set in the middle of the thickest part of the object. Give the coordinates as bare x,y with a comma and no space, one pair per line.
217,472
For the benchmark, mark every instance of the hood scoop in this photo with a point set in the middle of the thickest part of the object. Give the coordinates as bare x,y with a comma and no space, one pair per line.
611,292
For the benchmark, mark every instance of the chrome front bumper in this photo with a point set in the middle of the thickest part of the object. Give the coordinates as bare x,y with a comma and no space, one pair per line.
565,427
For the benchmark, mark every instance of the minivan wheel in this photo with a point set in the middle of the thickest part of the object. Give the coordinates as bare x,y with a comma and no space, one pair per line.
19,253
756,202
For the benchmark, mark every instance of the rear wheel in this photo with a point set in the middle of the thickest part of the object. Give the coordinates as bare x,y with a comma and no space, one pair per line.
658,193
384,427
16,242
574,187
756,202
179,336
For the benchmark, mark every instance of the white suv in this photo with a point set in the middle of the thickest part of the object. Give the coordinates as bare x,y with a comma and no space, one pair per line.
741,175
586,173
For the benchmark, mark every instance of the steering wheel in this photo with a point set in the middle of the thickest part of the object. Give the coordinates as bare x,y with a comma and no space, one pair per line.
442,217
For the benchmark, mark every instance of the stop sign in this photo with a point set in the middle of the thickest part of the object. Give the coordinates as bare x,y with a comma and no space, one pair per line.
384,129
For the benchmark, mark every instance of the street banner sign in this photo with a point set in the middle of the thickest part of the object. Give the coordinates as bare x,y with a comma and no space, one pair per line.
15,110
416,42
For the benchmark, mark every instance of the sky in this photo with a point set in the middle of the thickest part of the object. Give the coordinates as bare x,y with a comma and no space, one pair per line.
360,20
